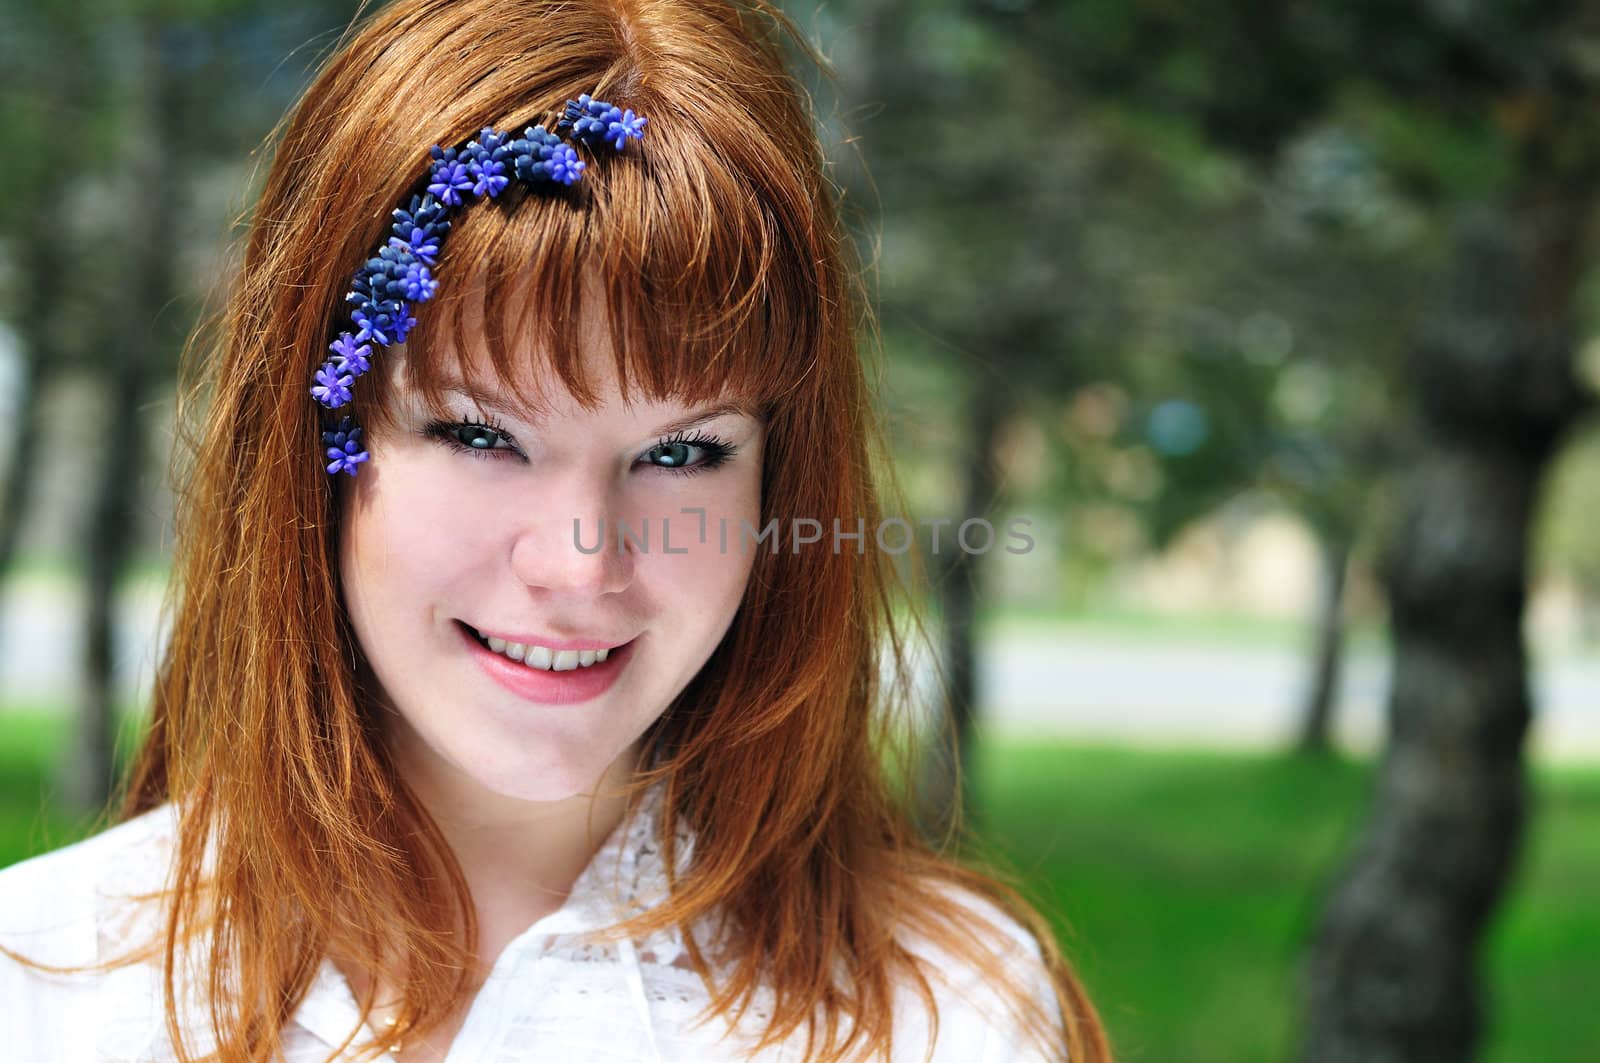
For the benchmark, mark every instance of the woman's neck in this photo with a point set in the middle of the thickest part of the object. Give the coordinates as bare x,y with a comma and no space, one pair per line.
520,860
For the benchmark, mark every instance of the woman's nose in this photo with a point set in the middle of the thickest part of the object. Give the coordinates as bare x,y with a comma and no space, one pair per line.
570,544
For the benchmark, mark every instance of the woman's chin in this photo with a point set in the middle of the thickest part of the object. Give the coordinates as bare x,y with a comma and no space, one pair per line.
544,792
546,778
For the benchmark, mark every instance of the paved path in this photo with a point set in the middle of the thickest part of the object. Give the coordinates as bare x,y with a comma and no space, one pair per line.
1094,685
1086,684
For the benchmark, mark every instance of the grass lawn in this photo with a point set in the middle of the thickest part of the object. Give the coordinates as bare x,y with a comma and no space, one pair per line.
1184,885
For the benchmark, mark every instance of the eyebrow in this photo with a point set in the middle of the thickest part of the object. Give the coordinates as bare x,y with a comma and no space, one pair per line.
707,414
464,389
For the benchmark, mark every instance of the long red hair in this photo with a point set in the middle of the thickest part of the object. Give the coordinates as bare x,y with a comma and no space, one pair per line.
718,245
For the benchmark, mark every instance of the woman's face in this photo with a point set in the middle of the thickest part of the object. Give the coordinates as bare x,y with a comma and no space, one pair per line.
458,554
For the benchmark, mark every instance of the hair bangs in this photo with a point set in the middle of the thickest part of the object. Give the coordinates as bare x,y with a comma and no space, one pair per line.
706,295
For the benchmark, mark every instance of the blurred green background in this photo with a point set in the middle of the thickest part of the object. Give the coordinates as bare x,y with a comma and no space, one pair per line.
1274,323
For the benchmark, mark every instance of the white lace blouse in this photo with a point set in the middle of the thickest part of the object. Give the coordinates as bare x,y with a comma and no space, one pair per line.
550,996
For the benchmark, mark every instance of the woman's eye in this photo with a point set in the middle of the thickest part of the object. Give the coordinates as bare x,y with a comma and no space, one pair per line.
673,455
476,436
472,437
688,455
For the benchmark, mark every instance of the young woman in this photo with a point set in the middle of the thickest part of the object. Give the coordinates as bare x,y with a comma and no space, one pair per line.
506,714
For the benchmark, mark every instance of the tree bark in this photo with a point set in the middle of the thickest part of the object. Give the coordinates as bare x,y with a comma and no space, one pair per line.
1316,726
1392,972
945,778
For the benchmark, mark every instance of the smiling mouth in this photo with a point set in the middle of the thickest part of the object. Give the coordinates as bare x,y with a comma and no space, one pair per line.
541,658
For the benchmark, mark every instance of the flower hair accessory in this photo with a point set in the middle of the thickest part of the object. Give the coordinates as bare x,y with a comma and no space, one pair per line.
401,273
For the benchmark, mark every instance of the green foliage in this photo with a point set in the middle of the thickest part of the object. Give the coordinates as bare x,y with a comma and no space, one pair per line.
1100,198
1436,155
1207,211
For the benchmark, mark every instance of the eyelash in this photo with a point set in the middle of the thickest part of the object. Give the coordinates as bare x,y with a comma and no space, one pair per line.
717,451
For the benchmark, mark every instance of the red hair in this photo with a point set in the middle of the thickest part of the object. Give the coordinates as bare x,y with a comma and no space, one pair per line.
717,244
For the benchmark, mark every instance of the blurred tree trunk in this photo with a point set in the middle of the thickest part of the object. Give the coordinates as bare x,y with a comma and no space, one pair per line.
1392,972
1316,726
945,778
134,343
40,228
23,453
40,245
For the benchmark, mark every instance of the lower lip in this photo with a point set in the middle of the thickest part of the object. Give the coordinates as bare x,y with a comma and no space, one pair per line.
549,688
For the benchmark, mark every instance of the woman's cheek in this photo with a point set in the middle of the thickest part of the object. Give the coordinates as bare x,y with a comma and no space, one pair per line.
427,514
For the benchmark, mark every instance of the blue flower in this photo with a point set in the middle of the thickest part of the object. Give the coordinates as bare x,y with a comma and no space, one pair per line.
373,325
332,388
344,447
489,177
564,166
424,213
346,462
595,121
491,141
352,358
418,242
403,323
574,110
582,117
542,156
450,179
345,432
625,125
377,279
419,283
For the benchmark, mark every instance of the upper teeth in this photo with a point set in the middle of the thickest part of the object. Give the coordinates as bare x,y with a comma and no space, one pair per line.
546,659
